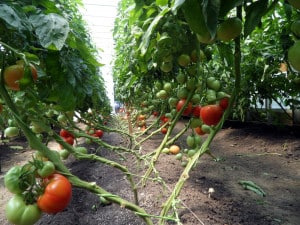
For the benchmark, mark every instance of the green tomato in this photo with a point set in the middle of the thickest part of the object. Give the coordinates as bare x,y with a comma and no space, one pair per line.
190,140
11,132
47,169
166,67
168,87
196,99
179,156
197,140
184,60
64,154
181,78
162,94
12,180
191,152
213,83
184,163
165,150
82,150
182,93
172,102
18,213
196,122
211,95
191,83
222,94
62,119
205,128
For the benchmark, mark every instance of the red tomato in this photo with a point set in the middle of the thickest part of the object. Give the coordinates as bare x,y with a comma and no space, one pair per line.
188,108
64,133
69,140
199,131
98,133
155,113
164,130
165,120
162,117
224,103
211,114
57,194
196,111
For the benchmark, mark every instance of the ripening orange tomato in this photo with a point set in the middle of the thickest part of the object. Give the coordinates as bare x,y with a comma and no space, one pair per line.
14,73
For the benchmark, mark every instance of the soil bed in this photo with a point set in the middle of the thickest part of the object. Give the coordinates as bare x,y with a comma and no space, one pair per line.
268,157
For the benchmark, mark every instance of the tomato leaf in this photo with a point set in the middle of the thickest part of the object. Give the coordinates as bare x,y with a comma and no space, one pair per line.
227,5
161,2
52,30
146,38
210,9
10,16
226,54
254,13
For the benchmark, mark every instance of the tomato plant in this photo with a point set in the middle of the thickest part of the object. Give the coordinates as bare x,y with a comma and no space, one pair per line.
19,213
57,194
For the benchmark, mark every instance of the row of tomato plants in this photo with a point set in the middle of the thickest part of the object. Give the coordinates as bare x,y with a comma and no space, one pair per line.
186,60
48,71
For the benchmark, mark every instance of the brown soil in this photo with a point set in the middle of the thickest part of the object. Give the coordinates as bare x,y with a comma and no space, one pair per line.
268,157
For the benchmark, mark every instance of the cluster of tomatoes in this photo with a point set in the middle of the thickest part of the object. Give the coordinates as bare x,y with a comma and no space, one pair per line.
164,120
67,137
95,132
141,121
37,188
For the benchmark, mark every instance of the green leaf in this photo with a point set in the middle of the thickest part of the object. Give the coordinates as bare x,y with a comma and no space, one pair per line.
227,5
146,38
210,9
52,30
9,15
226,54
32,58
161,2
254,13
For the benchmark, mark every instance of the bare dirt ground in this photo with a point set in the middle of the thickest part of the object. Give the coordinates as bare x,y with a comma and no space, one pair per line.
266,155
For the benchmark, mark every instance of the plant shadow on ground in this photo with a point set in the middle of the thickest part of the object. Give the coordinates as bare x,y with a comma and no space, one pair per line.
261,154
